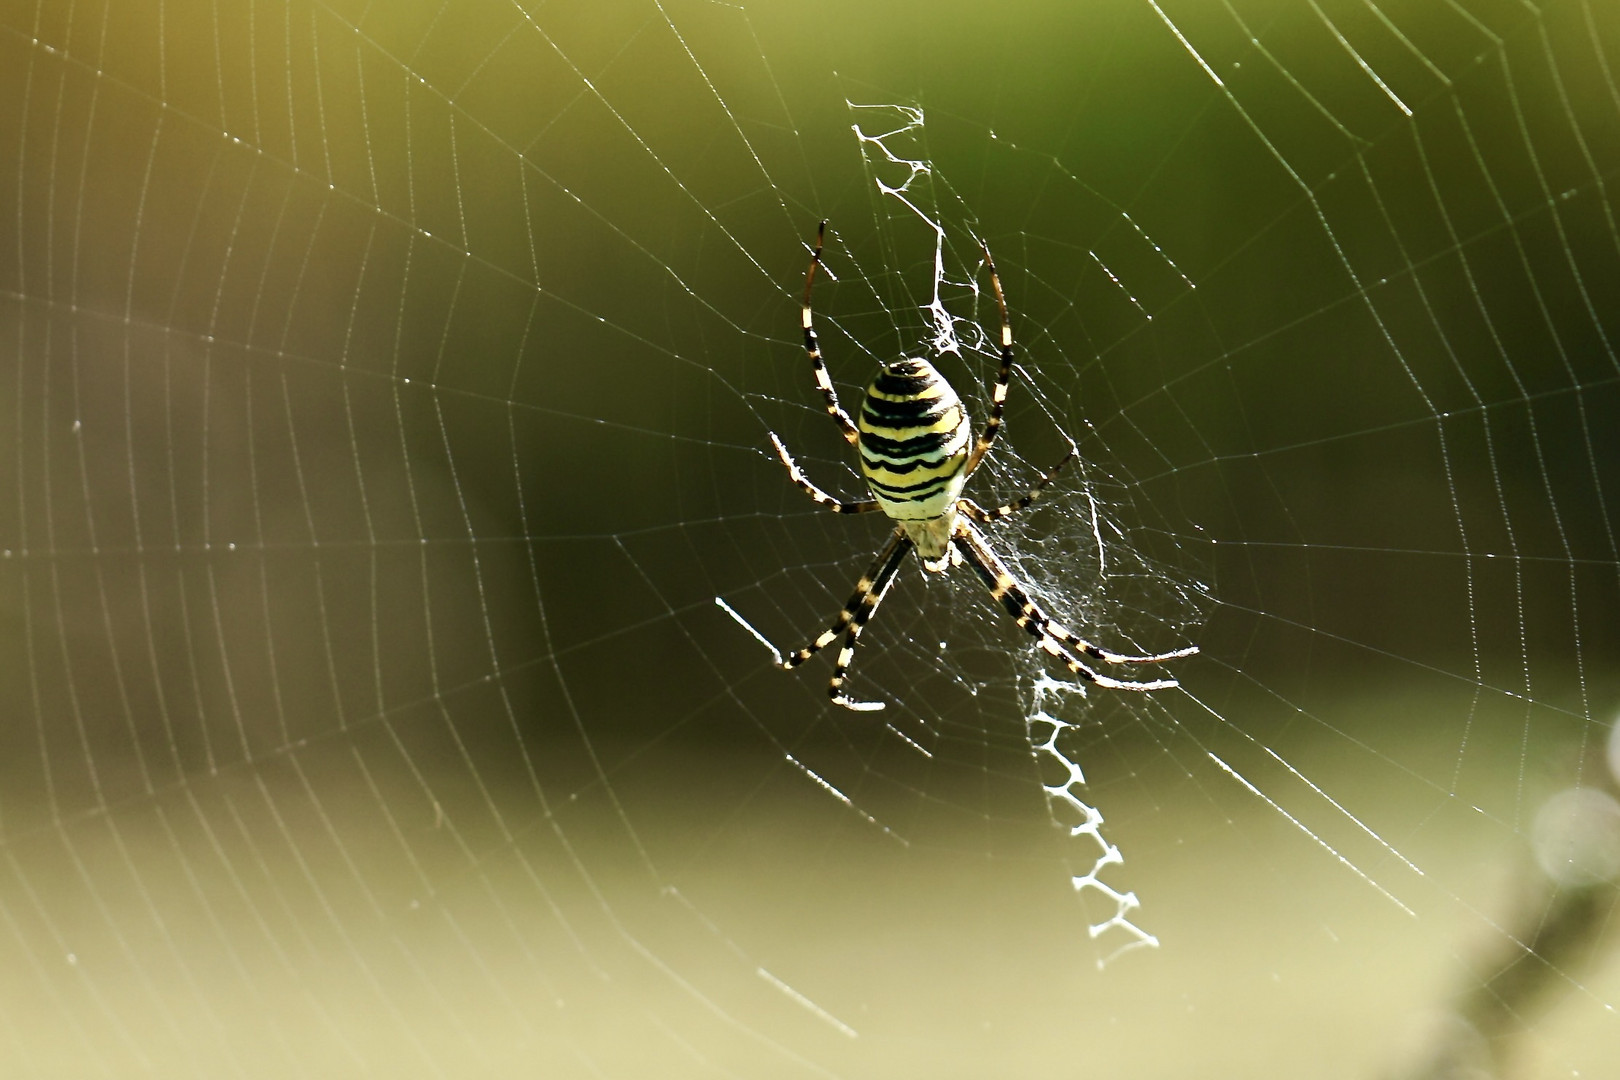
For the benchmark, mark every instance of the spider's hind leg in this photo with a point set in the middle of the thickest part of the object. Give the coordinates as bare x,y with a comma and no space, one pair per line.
812,348
998,390
984,517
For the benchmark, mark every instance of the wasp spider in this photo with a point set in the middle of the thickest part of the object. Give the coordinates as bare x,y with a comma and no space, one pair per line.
917,451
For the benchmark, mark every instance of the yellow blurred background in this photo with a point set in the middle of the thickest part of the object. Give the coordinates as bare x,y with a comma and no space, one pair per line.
385,400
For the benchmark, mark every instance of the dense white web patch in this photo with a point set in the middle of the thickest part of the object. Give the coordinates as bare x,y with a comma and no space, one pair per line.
386,394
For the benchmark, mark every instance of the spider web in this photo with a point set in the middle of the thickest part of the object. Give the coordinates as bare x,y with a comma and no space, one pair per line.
387,398
913,217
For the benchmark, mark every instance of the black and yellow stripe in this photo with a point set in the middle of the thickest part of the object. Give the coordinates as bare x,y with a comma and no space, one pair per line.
813,347
917,451
1052,637
914,441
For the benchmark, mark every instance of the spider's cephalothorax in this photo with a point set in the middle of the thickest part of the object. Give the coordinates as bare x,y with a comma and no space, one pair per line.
914,443
913,437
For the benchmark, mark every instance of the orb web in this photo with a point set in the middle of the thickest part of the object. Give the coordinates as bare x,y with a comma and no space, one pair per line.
387,393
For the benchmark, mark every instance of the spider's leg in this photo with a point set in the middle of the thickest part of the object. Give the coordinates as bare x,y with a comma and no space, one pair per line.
1052,636
883,566
1051,628
796,474
983,516
998,393
813,348
853,618
852,637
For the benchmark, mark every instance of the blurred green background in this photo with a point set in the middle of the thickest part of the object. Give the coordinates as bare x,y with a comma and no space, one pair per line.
385,403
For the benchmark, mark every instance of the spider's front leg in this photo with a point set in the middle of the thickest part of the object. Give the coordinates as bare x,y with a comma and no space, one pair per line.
852,620
1051,635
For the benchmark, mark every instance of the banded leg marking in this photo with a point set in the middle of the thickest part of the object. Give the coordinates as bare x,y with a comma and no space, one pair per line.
813,348
984,517
846,655
998,393
1052,636
852,620
796,474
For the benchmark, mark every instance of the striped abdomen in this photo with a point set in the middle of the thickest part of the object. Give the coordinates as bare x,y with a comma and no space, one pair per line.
914,442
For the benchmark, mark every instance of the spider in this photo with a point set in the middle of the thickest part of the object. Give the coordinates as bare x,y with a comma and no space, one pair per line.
914,438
